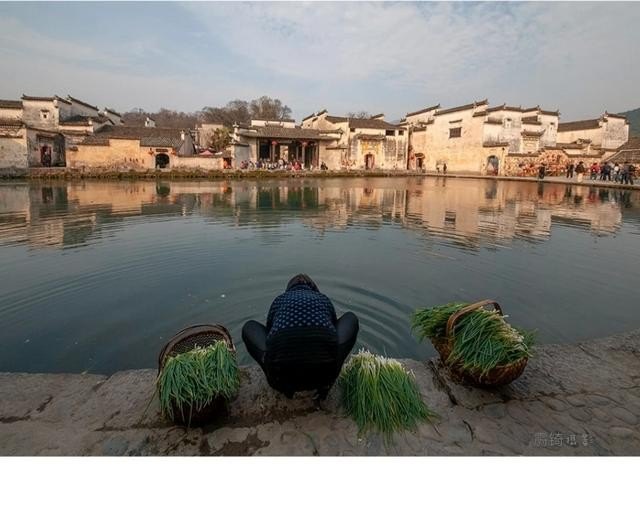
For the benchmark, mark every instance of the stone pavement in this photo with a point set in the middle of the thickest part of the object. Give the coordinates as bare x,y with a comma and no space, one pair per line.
581,399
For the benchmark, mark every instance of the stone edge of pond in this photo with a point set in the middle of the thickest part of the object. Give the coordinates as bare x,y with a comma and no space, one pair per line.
111,175
580,399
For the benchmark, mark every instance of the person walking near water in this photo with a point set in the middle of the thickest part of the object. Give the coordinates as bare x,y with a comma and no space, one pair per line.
444,168
580,171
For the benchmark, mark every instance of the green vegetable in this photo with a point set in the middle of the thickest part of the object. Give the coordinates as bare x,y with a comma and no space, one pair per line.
482,338
191,380
380,395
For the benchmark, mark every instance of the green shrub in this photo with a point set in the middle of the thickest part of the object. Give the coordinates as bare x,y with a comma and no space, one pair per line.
483,339
380,395
191,380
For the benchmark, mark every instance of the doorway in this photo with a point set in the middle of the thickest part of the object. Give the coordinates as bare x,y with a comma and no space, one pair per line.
369,161
162,160
492,165
45,155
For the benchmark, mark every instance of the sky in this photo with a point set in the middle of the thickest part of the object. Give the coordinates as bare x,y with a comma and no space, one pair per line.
391,58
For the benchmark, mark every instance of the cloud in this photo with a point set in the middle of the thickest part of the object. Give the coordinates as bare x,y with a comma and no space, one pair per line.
390,57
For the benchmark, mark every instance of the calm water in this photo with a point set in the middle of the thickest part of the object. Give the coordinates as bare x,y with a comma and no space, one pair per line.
97,275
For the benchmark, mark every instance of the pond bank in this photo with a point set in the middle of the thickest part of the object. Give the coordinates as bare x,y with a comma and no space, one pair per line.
67,174
581,399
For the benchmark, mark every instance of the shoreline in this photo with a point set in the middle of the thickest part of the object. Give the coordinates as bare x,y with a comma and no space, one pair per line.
45,174
576,399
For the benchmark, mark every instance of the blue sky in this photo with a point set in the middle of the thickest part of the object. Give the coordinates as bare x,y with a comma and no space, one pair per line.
379,57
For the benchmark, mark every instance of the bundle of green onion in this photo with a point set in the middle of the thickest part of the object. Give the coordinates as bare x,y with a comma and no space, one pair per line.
191,380
380,395
483,339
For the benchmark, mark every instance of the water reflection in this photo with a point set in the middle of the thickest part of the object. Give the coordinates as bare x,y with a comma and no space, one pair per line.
97,275
468,214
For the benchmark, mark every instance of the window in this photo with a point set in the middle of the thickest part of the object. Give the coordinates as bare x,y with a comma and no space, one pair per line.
507,123
352,130
389,133
44,114
455,132
401,132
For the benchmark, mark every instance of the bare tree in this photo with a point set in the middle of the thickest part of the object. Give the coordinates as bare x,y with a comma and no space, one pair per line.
359,115
268,108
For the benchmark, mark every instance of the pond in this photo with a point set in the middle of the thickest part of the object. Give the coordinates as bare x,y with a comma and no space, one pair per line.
96,275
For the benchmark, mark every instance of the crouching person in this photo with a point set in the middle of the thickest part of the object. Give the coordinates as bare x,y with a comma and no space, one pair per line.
304,345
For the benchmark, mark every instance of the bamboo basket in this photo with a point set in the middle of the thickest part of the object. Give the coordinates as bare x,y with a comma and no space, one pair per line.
499,375
185,341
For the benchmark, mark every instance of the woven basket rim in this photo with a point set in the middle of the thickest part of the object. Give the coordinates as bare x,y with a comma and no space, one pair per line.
217,332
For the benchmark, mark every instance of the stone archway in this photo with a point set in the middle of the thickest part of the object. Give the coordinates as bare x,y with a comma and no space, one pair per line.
162,160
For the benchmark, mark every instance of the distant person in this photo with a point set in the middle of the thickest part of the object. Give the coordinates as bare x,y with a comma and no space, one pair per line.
616,172
632,172
580,171
542,170
304,344
444,168
570,168
624,174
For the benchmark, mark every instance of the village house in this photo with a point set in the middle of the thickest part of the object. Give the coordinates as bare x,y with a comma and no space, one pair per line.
505,139
273,140
608,132
362,144
138,148
475,137
38,131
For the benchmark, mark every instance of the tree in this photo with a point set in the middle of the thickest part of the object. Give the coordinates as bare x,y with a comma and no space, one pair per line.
359,115
219,139
235,111
269,109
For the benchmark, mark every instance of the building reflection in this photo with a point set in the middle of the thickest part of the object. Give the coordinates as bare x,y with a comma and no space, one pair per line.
464,212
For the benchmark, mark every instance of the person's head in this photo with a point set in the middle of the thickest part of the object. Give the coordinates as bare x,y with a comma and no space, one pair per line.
302,279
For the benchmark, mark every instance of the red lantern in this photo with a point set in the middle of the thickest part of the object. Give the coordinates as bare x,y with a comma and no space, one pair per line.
304,143
274,143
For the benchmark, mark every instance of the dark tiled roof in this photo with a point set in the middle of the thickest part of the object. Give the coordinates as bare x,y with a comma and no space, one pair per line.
615,115
424,110
113,112
373,124
505,108
308,117
50,99
334,119
570,145
549,112
370,137
163,137
82,120
489,144
377,115
530,120
78,101
11,104
462,108
589,124
280,132
11,123
481,113
530,133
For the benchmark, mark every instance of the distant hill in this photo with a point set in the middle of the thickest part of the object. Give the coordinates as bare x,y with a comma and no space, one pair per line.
633,116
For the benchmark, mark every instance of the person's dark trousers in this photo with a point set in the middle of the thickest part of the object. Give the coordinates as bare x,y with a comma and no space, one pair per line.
254,335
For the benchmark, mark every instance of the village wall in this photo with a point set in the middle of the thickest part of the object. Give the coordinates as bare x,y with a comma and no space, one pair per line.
196,162
43,114
10,114
120,153
615,133
13,150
